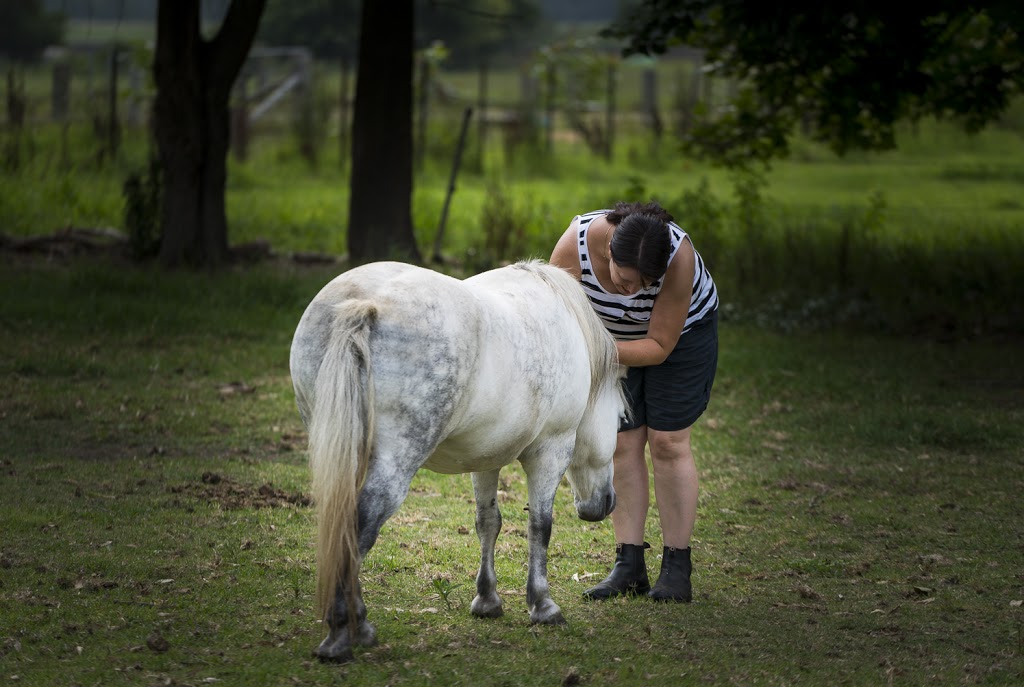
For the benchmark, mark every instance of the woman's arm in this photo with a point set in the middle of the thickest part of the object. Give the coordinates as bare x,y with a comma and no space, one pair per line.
668,315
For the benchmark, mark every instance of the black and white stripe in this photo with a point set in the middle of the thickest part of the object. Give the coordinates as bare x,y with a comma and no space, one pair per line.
628,317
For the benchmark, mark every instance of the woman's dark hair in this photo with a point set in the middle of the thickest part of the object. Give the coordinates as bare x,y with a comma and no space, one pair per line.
641,239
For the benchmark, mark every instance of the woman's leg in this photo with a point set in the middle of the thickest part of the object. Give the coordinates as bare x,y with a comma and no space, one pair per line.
632,497
675,485
632,487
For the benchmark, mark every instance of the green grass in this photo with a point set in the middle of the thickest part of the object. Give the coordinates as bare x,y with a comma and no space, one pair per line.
911,241
859,520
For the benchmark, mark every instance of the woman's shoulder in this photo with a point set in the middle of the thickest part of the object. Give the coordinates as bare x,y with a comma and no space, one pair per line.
592,215
565,253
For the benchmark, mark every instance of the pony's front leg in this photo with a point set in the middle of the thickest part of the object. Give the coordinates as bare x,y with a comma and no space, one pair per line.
542,480
337,645
487,603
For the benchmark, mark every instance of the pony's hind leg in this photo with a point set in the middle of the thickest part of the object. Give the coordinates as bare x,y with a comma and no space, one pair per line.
384,489
487,603
337,645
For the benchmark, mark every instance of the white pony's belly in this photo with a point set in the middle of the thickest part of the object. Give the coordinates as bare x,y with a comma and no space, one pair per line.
476,452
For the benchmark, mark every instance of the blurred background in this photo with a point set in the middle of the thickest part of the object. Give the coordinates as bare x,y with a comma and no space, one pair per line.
525,113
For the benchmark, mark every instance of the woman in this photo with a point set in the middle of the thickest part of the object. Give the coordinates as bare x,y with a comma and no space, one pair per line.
656,297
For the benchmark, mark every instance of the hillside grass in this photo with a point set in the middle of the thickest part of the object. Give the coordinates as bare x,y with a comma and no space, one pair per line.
859,520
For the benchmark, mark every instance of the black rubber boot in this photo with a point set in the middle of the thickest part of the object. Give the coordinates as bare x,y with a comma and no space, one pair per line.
629,576
674,581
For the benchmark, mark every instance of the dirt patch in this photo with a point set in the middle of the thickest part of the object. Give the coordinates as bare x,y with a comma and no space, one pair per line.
76,242
233,495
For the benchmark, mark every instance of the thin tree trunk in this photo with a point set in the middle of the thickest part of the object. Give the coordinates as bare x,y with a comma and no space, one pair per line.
380,219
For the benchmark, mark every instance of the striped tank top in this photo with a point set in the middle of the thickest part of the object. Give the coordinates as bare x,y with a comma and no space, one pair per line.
627,317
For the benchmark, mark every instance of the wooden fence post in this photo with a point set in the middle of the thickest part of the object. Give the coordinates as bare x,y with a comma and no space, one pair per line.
650,98
481,117
467,113
113,124
609,141
240,118
550,81
60,97
421,119
343,116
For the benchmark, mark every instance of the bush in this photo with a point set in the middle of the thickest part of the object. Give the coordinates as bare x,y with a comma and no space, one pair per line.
143,195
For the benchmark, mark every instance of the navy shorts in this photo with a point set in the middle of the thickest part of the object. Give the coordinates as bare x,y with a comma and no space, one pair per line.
671,396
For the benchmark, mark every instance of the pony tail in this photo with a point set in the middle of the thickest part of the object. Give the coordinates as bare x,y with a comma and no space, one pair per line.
341,432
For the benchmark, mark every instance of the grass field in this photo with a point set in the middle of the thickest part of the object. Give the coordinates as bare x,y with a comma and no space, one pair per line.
859,520
860,517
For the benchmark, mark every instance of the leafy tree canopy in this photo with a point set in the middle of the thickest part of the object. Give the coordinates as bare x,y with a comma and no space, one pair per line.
850,70
471,30
26,28
330,28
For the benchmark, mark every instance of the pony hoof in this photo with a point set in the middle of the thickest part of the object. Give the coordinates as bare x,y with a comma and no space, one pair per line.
491,608
333,652
547,614
555,619
366,636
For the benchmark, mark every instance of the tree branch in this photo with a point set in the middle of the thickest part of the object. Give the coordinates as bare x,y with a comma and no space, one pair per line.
230,46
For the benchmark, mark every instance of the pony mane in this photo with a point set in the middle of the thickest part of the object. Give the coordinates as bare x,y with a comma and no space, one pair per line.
604,357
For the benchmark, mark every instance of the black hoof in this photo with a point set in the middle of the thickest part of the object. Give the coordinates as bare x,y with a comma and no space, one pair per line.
332,654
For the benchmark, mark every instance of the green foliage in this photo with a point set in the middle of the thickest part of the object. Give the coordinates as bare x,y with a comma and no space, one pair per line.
702,214
479,30
848,71
143,196
922,240
473,31
503,226
328,28
444,588
27,28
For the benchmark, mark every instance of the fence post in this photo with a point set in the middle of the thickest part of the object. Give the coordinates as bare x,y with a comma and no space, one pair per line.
481,118
550,81
451,183
343,124
113,125
421,119
651,101
240,118
61,91
306,107
609,127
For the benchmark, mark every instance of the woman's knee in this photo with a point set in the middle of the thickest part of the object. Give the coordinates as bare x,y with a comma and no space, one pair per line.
670,446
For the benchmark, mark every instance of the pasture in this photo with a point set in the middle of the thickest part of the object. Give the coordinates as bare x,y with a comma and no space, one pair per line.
861,462
859,519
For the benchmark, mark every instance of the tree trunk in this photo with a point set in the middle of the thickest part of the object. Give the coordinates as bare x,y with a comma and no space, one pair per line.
194,77
380,219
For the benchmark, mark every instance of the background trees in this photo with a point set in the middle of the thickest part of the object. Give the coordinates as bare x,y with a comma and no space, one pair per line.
26,28
846,71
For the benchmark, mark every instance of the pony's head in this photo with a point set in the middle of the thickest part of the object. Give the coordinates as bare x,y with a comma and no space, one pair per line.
591,470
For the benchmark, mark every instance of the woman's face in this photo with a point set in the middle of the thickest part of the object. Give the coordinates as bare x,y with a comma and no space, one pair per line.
626,280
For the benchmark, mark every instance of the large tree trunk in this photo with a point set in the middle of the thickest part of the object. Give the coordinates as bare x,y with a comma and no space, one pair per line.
380,221
193,80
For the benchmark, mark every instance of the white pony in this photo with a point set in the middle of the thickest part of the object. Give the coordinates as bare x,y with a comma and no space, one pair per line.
396,367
